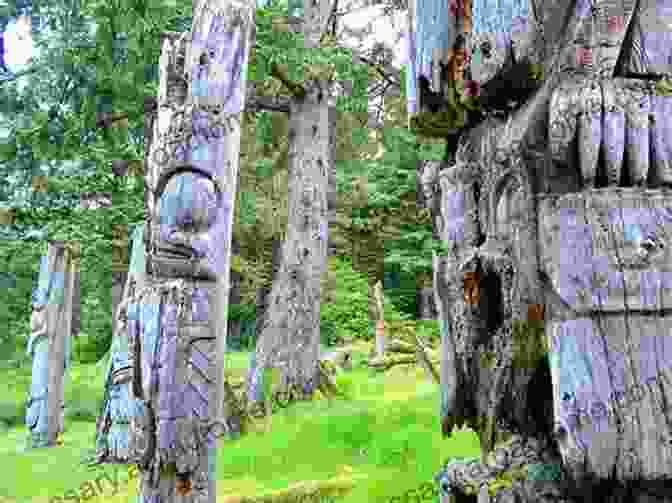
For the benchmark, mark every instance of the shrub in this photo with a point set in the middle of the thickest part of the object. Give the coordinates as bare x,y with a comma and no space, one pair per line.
349,312
11,413
83,410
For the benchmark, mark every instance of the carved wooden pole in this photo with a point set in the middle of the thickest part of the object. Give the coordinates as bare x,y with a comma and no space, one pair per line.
177,323
49,343
60,352
112,425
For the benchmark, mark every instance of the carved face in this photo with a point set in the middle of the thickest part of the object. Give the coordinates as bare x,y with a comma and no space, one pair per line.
189,201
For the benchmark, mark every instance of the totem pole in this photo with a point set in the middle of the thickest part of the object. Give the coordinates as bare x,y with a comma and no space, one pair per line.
556,208
177,321
119,404
49,342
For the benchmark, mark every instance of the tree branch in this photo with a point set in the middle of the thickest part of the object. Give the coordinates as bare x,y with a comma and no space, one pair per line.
106,119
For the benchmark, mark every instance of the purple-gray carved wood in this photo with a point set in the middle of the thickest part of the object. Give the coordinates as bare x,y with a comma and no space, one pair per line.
177,324
61,342
112,426
49,343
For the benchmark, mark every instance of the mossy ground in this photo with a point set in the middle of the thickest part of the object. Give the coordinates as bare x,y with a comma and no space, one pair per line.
382,441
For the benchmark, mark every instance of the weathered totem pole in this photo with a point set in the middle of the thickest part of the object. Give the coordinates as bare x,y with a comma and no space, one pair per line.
119,404
555,207
177,308
49,343
290,334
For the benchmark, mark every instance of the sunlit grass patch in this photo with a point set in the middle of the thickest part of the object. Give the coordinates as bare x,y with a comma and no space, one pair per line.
379,442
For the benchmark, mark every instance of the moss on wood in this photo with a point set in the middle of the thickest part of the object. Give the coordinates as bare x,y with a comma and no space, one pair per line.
664,87
530,343
506,478
438,125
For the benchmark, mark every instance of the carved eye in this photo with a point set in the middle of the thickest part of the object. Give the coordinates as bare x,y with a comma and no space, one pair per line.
486,49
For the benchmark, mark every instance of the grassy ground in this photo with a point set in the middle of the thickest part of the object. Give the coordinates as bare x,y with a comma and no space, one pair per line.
384,440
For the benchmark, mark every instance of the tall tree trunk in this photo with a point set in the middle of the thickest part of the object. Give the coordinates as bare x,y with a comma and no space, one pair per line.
290,337
177,324
234,295
49,343
264,292
425,300
380,323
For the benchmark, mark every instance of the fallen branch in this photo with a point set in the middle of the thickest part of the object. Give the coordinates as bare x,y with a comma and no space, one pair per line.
397,346
334,488
390,361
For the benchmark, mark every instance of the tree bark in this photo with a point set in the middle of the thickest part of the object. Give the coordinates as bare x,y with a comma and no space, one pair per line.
380,324
425,301
264,292
290,334
234,294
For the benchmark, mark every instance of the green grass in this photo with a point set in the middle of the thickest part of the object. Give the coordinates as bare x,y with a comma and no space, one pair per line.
386,436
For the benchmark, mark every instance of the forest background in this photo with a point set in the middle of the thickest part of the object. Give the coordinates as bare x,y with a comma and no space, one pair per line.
73,112
78,109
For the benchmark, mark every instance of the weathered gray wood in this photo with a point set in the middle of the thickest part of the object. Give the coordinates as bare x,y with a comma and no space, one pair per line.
112,425
49,343
38,350
554,307
61,343
177,304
